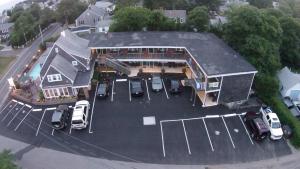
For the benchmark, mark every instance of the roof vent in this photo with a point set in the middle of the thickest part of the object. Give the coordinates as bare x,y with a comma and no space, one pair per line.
56,50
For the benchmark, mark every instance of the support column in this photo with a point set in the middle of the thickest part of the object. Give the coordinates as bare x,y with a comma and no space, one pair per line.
86,93
195,98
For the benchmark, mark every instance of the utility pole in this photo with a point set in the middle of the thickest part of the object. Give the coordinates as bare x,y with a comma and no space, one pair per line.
41,34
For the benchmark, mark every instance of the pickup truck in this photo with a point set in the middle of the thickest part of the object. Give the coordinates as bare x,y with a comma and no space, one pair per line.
272,121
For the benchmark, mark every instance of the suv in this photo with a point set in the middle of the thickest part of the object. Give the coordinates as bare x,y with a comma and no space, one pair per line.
103,90
80,114
258,130
60,117
156,83
136,87
176,87
273,123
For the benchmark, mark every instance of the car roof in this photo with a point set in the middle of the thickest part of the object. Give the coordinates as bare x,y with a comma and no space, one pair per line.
260,125
56,116
273,117
78,112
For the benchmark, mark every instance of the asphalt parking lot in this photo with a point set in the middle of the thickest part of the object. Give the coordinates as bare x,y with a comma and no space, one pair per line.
156,128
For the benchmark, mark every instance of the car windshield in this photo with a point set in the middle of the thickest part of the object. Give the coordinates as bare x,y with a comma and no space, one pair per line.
156,80
174,84
101,88
135,85
77,122
276,125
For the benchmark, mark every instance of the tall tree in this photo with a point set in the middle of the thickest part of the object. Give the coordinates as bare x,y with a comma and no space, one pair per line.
256,35
198,18
130,19
69,10
290,48
211,4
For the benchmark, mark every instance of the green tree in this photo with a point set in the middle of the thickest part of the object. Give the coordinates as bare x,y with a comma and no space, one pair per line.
211,4
266,86
261,3
290,48
126,3
130,19
6,160
69,10
158,22
198,18
167,4
274,12
47,17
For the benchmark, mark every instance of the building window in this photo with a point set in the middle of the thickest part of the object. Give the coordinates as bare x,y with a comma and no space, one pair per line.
56,94
51,93
61,92
74,63
54,78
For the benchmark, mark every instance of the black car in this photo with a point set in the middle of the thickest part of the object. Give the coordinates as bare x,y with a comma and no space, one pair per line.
103,90
176,87
60,117
136,87
258,130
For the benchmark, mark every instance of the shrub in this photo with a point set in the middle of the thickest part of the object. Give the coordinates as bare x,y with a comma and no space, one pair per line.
6,160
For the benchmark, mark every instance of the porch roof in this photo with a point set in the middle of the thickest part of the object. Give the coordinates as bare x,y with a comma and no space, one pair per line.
213,55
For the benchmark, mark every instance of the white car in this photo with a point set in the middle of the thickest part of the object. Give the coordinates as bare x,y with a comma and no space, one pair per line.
80,115
272,121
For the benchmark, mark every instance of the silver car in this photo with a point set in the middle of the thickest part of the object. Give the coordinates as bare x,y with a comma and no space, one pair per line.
156,83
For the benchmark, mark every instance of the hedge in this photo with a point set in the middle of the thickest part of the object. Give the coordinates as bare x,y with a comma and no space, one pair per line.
286,117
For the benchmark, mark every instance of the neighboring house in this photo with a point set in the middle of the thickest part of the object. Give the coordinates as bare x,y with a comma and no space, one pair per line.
94,18
275,4
91,16
108,6
4,19
5,30
104,25
289,84
179,16
68,67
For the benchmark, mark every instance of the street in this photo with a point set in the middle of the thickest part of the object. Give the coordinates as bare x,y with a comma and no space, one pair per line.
22,59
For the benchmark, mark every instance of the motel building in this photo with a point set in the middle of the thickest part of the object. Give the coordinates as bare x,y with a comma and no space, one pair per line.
217,73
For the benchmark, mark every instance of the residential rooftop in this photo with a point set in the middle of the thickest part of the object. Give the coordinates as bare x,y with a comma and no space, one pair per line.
213,55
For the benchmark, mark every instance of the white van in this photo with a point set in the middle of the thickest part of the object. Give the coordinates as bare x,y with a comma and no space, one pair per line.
80,115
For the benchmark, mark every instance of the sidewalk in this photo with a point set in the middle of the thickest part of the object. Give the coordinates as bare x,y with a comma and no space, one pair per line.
30,157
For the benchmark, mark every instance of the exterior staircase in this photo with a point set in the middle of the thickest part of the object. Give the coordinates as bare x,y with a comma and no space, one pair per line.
117,65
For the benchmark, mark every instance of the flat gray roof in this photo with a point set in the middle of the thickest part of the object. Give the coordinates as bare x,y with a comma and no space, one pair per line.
213,55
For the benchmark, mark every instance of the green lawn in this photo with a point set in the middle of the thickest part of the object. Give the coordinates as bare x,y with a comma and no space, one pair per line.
4,64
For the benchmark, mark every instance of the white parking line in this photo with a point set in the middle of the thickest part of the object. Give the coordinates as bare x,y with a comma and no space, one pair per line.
212,116
15,116
246,130
228,132
165,88
162,139
28,106
70,131
112,91
121,80
14,100
147,89
9,112
38,129
35,110
51,108
212,147
129,91
90,126
23,120
6,106
186,138
230,115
